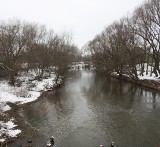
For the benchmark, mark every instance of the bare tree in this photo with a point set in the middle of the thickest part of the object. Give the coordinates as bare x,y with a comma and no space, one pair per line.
13,44
147,26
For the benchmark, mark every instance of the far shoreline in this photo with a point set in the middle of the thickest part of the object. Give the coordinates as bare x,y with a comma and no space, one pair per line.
148,83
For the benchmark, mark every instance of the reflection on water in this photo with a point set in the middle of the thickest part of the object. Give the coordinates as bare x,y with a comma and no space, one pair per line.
89,110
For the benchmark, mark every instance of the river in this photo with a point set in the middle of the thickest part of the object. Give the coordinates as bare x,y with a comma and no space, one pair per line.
91,109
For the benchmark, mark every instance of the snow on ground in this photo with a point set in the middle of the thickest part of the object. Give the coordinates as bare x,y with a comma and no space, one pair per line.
7,130
28,91
80,65
149,76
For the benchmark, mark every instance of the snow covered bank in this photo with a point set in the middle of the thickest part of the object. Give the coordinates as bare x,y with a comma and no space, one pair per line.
147,78
8,130
28,90
149,75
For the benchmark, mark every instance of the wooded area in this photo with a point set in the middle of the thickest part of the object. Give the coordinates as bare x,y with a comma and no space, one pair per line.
128,42
26,46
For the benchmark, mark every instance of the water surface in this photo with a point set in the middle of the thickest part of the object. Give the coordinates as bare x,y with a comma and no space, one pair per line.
90,109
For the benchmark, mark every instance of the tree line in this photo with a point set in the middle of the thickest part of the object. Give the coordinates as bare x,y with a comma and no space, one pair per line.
28,46
129,41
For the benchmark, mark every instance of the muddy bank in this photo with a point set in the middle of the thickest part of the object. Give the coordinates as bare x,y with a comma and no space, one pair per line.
28,132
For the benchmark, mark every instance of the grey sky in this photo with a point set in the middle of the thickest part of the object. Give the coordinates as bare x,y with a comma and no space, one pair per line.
83,18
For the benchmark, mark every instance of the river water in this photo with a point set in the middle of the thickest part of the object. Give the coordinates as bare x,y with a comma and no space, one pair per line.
90,109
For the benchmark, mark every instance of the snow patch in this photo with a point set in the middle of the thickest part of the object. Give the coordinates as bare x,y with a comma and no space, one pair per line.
7,130
149,75
28,91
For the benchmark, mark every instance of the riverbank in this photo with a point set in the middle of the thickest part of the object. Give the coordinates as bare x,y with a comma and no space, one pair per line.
148,81
26,90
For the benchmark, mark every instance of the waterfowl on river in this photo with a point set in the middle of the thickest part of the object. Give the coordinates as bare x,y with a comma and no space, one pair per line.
50,142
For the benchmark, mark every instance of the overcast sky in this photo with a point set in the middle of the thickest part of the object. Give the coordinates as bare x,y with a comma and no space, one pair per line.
83,18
